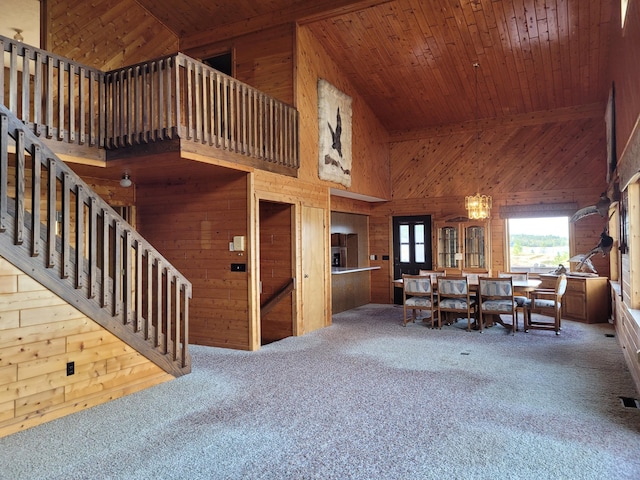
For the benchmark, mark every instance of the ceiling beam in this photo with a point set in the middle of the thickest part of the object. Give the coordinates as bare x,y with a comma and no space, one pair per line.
594,110
303,12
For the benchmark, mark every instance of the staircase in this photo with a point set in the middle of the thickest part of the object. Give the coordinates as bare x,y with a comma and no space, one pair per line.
56,229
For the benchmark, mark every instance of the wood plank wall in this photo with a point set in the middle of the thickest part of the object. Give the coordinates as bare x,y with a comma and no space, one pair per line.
106,34
263,60
554,162
191,223
625,71
370,162
39,334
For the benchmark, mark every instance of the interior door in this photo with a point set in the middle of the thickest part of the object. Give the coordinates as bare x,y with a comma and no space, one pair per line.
411,248
313,269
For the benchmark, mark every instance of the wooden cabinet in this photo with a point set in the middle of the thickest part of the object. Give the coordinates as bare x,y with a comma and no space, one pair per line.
462,244
586,299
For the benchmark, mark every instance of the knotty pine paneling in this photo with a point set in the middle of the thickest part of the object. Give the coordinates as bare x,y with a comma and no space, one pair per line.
625,70
370,162
39,334
191,224
106,34
263,60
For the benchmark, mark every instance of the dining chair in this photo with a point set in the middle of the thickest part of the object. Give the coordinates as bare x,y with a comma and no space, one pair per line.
418,295
432,273
520,297
546,302
454,297
495,297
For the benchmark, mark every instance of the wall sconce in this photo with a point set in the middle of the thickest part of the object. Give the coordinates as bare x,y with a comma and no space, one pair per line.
18,36
125,181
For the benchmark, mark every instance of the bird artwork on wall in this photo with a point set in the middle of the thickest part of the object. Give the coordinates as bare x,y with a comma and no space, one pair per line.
334,119
604,247
601,208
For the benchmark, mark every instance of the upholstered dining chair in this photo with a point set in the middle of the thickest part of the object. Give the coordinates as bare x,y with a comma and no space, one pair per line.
418,295
546,302
454,297
520,297
495,297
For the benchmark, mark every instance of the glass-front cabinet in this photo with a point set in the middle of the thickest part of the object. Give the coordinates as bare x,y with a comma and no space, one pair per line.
462,244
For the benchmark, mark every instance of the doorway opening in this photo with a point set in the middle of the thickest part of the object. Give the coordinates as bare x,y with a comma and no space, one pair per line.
277,296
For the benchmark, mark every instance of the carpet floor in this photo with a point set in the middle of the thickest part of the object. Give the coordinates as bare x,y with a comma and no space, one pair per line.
363,399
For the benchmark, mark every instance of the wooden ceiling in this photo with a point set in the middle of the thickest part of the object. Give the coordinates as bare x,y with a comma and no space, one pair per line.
412,60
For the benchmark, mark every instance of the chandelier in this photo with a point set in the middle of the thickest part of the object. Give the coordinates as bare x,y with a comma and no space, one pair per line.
478,206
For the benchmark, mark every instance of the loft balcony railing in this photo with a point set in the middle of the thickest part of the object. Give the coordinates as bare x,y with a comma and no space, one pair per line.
167,99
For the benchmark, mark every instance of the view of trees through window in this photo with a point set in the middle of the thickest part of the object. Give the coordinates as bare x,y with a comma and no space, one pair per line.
538,245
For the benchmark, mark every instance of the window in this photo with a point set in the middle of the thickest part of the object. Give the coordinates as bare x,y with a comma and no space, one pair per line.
415,247
538,245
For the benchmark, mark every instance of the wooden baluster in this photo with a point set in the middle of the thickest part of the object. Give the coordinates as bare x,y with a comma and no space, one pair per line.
52,215
80,228
138,291
153,102
37,94
66,224
176,322
148,324
72,103
4,169
93,247
171,124
127,272
162,125
60,92
20,189
121,136
106,264
206,105
81,105
189,109
226,121
197,78
2,69
26,82
185,326
158,297
36,178
117,268
167,314
219,101
101,134
50,95
13,80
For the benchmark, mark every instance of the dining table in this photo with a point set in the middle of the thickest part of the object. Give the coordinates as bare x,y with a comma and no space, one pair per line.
519,286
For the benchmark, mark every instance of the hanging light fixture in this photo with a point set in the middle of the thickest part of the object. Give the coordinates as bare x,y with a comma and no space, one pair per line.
478,206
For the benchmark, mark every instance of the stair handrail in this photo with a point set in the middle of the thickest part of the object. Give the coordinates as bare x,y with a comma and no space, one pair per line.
70,240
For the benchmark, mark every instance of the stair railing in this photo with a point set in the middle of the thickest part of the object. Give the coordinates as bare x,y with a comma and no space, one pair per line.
54,227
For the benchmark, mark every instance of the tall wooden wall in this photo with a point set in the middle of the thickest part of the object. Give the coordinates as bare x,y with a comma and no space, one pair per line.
556,160
192,222
625,71
39,334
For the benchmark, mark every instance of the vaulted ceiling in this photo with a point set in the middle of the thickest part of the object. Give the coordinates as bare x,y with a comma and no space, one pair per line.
413,60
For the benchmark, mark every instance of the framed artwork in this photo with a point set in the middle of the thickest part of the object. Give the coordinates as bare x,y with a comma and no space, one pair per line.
334,130
610,122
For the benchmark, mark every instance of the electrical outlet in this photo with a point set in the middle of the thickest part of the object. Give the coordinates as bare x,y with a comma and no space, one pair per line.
71,368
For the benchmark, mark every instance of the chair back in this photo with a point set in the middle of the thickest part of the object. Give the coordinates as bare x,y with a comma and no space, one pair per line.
561,286
453,286
496,287
417,284
431,273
